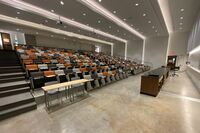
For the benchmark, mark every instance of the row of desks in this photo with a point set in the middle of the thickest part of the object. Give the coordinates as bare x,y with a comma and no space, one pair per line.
61,85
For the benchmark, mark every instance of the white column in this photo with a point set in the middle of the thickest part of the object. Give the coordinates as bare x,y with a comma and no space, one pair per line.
112,49
125,50
143,51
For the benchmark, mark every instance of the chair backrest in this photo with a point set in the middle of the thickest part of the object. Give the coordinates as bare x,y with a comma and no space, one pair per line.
59,72
37,74
60,65
87,76
42,66
49,73
32,67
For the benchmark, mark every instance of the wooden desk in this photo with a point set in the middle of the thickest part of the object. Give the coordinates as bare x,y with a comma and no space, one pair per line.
61,85
151,82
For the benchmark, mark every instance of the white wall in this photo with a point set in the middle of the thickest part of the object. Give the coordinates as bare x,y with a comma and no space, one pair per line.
156,51
178,46
119,49
70,44
178,43
135,49
194,38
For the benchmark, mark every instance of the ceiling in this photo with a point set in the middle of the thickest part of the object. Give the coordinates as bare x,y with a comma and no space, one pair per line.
143,15
188,10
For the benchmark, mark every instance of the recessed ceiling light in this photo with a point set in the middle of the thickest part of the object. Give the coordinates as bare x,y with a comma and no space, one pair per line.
136,4
46,21
132,25
114,11
99,0
110,27
182,10
153,27
144,14
117,30
64,38
52,36
84,14
124,19
181,17
18,12
181,23
156,30
62,3
99,21
149,21
17,29
124,33
72,19
52,10
36,33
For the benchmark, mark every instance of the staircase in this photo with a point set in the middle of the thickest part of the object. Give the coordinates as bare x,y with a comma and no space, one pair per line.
15,96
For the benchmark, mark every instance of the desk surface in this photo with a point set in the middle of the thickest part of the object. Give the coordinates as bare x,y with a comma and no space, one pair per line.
157,72
59,85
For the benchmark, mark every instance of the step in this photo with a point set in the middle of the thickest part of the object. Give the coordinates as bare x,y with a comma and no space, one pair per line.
17,110
12,67
13,79
13,75
12,84
5,93
15,100
11,71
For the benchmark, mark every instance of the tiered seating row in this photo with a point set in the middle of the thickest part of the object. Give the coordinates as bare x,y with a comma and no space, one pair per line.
43,65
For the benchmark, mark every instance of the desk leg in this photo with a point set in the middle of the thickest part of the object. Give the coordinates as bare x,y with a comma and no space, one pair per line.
85,91
45,98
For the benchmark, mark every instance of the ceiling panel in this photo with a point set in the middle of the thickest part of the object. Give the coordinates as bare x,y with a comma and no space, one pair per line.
188,9
143,15
74,10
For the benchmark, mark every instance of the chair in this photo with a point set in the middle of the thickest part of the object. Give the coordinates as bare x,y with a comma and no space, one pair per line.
37,61
89,85
102,78
60,66
107,75
28,61
43,67
52,66
76,88
50,76
54,61
51,93
37,80
61,76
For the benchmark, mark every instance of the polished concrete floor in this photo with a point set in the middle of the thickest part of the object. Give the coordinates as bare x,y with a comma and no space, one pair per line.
119,108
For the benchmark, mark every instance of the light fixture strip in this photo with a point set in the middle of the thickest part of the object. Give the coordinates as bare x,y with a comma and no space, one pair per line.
165,10
53,16
103,11
50,29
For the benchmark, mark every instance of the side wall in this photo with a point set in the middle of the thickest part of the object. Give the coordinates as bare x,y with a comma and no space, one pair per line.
119,49
156,51
70,44
135,49
178,46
